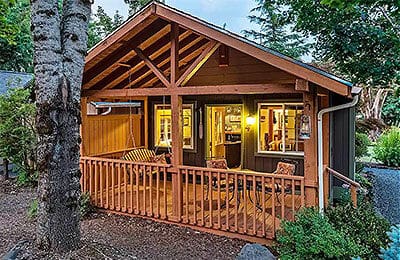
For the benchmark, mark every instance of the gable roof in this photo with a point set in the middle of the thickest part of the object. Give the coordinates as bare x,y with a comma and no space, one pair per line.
149,17
11,79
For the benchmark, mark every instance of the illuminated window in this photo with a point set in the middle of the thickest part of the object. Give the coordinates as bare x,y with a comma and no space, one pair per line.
163,121
279,128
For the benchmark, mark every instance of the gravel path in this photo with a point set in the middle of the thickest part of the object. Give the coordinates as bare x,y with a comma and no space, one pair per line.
112,236
387,193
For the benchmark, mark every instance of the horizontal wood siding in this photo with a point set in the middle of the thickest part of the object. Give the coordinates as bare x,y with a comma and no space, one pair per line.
242,69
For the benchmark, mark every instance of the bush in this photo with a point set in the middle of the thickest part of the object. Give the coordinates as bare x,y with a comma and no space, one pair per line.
311,236
17,134
362,226
361,144
84,204
393,251
387,149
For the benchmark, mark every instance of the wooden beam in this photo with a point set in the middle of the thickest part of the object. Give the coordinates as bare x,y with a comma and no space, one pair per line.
132,25
174,53
196,65
194,90
177,151
310,148
153,67
83,127
302,85
286,64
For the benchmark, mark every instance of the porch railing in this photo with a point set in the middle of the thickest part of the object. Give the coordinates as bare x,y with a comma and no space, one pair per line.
242,202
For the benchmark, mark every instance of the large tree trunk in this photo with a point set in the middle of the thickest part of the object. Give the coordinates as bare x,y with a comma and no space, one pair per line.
60,48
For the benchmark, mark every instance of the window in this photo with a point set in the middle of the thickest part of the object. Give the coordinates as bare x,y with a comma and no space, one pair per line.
279,128
163,121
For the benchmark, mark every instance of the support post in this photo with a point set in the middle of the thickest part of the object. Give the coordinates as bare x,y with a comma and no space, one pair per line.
325,142
146,121
83,127
177,154
310,150
174,54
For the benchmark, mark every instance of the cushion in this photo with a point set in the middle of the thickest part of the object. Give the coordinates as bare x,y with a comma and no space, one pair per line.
285,168
158,159
217,164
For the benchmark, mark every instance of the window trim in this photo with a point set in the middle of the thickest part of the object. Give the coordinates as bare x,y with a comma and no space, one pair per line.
191,106
283,105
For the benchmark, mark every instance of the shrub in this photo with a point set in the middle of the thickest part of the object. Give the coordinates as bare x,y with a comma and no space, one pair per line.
362,225
361,144
84,204
393,251
311,236
387,149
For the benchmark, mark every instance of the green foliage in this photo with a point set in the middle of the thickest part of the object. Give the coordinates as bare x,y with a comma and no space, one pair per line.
17,134
393,251
84,204
275,29
362,226
387,149
391,109
136,5
33,209
359,38
311,236
361,144
101,25
16,47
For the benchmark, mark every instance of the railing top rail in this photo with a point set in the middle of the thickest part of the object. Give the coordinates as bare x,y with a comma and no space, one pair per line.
343,178
252,173
101,159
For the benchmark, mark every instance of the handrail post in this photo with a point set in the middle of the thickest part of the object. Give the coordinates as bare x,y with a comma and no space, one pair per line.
353,192
327,186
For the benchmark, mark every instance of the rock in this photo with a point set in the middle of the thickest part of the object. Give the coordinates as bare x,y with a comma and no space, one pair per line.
255,252
13,253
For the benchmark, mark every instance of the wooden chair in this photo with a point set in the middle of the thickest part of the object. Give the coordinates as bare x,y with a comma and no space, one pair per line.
145,155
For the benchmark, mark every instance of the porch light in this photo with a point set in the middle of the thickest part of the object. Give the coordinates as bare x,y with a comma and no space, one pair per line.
305,127
250,120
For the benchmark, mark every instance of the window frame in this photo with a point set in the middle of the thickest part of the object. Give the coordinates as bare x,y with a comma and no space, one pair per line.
283,104
190,106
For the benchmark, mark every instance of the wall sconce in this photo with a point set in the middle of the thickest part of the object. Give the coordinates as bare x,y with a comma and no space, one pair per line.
250,120
305,127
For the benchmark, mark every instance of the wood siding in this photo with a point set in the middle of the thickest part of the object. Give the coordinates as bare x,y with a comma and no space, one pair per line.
242,69
111,133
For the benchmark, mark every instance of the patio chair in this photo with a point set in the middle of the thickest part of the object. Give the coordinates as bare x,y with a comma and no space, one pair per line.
222,184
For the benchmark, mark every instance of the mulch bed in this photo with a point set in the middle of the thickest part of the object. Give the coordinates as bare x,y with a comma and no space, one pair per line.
109,236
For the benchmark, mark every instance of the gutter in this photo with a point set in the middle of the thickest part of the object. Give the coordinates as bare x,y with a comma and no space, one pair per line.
320,148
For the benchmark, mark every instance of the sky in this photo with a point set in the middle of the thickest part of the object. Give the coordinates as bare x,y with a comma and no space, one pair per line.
232,12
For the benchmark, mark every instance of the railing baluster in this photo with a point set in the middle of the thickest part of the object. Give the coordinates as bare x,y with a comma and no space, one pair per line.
143,172
236,201
119,187
263,205
150,173
186,195
219,200
125,174
210,198
194,198
137,209
254,206
293,199
91,180
283,198
202,197
101,183
107,185
158,191
113,185
165,193
131,186
227,201
273,206
245,203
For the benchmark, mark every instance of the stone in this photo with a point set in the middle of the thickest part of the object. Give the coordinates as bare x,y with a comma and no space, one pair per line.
255,252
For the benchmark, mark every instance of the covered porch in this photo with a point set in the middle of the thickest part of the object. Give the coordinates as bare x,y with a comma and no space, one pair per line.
178,87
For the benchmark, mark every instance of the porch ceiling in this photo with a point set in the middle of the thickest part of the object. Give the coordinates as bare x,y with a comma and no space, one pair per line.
138,54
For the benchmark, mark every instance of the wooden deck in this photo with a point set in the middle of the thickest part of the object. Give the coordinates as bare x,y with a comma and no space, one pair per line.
207,198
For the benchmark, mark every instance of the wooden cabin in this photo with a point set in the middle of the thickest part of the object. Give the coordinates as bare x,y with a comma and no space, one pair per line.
185,122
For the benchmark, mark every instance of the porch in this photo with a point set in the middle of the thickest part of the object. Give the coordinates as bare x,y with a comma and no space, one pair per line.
240,202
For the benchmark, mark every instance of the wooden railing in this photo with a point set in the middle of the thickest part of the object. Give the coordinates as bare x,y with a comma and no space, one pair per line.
126,186
237,201
354,186
242,202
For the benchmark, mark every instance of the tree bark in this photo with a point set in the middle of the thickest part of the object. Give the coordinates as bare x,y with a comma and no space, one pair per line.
59,52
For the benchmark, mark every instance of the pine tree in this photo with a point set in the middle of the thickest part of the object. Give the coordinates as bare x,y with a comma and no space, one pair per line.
136,5
275,29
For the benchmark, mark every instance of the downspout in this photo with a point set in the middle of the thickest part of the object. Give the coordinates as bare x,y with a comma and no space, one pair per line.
320,148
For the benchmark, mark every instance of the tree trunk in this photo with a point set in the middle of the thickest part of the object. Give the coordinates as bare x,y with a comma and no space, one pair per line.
60,48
